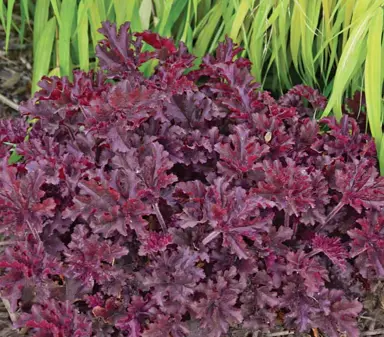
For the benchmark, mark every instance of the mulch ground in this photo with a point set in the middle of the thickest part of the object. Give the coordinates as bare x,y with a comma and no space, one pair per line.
15,74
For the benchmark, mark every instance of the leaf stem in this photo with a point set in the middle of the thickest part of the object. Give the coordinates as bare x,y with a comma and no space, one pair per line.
160,217
332,214
286,219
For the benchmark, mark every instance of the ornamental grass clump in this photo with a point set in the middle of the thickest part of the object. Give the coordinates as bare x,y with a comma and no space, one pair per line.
142,204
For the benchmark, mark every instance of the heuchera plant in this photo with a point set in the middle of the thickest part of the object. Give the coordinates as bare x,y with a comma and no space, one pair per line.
143,204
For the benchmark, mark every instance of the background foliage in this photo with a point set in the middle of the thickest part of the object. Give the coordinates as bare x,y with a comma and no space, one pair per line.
333,45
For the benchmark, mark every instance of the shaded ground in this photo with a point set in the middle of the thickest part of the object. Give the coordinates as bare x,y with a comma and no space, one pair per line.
15,74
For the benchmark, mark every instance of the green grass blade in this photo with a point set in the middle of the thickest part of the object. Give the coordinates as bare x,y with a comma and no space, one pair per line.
163,29
95,22
43,52
145,13
228,10
178,8
56,11
241,13
102,10
283,29
257,44
206,33
373,77
82,36
67,14
187,28
349,61
2,15
11,3
195,5
40,21
311,16
295,34
121,8
128,11
25,10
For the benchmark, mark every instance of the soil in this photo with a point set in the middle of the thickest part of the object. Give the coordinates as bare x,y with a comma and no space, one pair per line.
15,74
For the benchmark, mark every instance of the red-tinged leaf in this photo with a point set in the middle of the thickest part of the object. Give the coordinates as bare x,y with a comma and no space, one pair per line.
192,110
361,186
290,187
241,154
368,245
332,248
109,311
27,268
339,315
321,196
311,271
235,206
166,326
91,259
153,170
137,309
135,104
56,319
235,215
22,207
345,139
293,98
155,243
133,211
118,53
192,196
174,276
217,309
298,305
157,42
100,205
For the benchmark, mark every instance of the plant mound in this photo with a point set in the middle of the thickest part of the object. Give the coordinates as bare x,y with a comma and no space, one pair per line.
142,204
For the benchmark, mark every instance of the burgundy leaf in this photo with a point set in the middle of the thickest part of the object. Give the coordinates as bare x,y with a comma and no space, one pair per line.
91,259
56,319
339,316
217,308
22,207
240,155
143,205
290,187
28,270
360,185
311,271
332,248
368,244
166,326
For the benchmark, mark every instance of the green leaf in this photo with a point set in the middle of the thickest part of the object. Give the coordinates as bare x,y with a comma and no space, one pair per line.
56,11
208,28
82,36
67,14
145,13
11,3
14,158
373,76
349,62
39,22
43,52
241,13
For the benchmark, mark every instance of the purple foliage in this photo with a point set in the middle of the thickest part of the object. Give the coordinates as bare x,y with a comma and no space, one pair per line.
141,203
